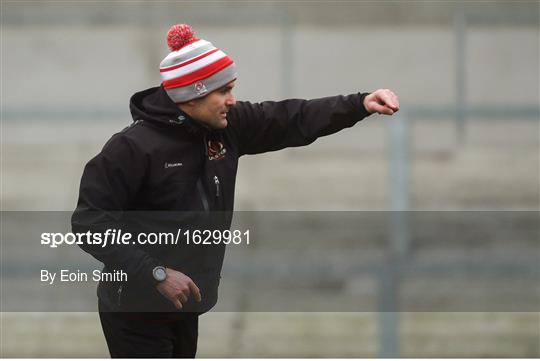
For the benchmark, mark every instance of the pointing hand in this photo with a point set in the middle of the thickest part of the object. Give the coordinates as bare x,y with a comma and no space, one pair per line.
382,101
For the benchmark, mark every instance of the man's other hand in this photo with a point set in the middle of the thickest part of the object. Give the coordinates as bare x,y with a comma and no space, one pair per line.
382,101
178,287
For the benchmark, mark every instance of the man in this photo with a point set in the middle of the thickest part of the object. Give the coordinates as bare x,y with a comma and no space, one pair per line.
175,166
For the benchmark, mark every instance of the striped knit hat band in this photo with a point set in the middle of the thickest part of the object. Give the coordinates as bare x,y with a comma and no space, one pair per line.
194,67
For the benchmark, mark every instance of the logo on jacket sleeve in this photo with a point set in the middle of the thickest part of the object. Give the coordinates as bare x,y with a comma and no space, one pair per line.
216,150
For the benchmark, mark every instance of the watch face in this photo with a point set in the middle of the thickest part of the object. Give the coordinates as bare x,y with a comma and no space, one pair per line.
160,274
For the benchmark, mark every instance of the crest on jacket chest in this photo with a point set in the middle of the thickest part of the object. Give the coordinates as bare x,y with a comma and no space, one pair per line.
216,150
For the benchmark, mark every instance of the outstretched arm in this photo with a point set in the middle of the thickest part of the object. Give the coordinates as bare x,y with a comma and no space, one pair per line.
270,126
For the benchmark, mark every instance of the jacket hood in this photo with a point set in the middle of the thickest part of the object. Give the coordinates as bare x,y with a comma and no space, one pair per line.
156,106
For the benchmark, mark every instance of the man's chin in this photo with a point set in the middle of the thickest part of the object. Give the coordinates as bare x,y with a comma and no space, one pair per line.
221,124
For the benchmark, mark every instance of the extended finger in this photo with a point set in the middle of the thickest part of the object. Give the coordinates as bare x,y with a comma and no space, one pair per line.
195,290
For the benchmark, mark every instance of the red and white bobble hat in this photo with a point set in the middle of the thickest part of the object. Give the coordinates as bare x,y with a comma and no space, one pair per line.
194,67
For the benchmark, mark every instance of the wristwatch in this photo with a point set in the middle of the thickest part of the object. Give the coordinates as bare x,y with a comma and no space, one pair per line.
159,273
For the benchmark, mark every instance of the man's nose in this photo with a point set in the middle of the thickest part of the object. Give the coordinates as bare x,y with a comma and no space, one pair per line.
231,100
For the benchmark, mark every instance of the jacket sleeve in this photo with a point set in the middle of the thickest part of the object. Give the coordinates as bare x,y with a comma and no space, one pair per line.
269,126
109,184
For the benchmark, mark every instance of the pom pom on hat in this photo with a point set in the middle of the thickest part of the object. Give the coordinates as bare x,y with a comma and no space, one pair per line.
179,35
190,72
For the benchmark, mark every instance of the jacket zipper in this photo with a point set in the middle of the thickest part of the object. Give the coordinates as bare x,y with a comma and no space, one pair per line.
216,182
120,296
202,193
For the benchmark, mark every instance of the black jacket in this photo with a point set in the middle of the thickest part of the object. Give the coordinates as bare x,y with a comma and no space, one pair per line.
166,170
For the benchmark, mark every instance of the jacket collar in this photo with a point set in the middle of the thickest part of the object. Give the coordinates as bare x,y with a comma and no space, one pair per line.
155,105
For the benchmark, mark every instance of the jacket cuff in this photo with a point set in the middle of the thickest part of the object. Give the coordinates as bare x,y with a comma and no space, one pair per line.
362,112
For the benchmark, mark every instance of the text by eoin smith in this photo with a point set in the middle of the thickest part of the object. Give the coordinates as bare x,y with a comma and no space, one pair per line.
65,275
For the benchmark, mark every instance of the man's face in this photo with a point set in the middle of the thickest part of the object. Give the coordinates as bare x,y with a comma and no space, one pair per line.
212,109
